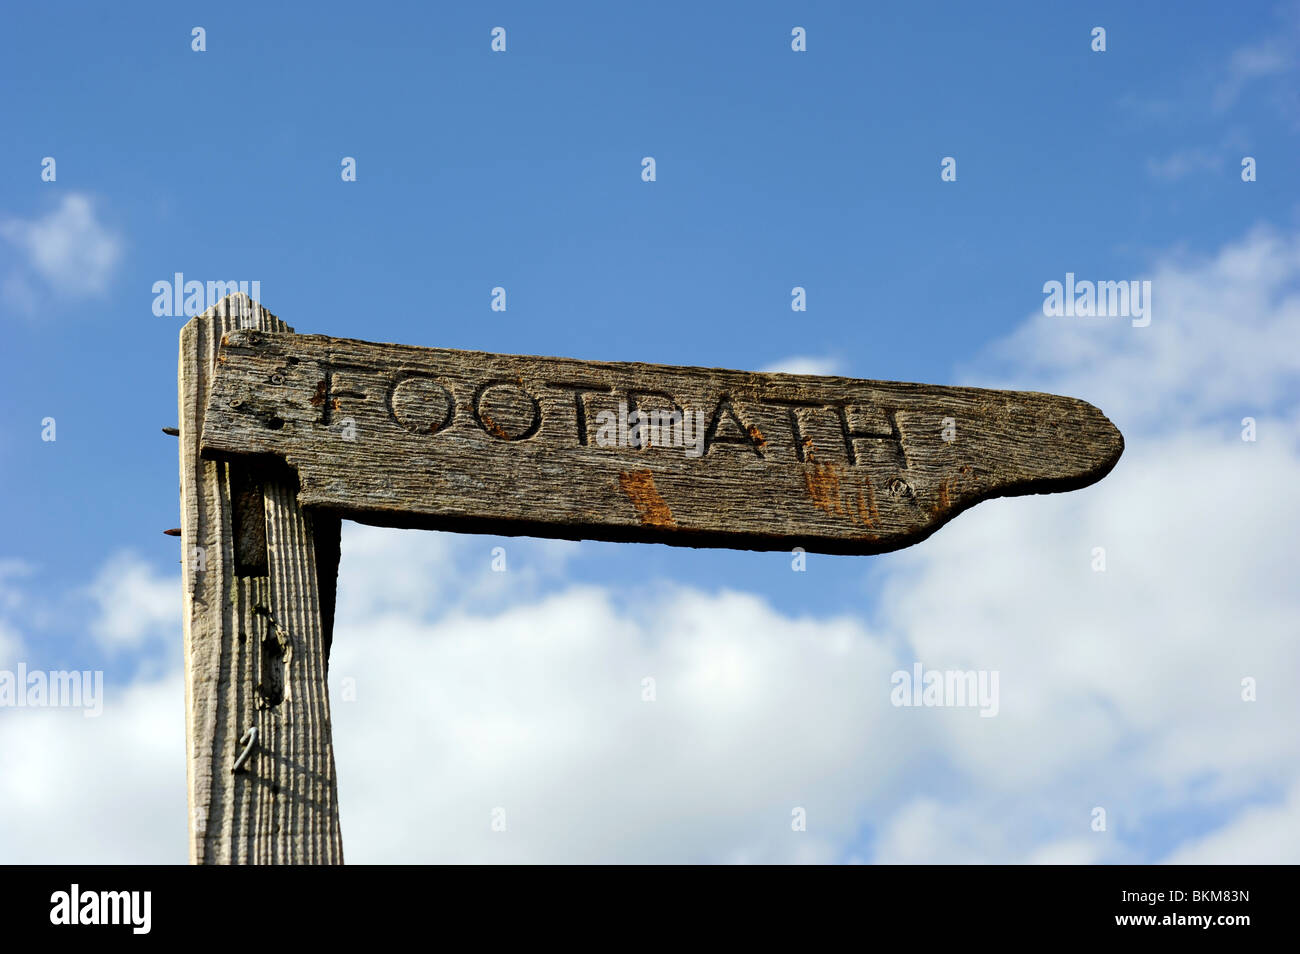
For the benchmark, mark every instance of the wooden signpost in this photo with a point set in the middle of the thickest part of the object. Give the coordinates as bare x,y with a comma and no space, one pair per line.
283,435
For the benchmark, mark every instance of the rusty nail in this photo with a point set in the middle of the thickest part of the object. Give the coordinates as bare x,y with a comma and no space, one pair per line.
173,431
173,532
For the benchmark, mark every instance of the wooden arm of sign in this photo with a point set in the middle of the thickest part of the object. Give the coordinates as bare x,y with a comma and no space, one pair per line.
427,437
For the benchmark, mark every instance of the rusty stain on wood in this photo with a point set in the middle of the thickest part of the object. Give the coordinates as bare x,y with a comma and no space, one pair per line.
493,428
945,500
650,507
823,483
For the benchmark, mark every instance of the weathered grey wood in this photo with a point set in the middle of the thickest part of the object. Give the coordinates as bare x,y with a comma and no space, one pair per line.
258,592
423,437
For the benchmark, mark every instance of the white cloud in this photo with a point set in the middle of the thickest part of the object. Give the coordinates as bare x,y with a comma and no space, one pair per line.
1275,56
134,604
11,645
805,364
1187,162
1262,69
1222,336
12,604
1119,689
11,594
68,250
1262,835
415,573
104,790
1122,689
538,710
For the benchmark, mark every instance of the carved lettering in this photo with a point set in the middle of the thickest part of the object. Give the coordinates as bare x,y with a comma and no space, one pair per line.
853,432
335,382
580,392
420,404
803,445
724,413
507,411
652,422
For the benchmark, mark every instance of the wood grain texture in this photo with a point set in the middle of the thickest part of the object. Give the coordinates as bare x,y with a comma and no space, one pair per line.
258,606
422,437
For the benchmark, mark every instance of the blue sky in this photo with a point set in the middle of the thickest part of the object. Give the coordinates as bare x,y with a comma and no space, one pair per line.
522,169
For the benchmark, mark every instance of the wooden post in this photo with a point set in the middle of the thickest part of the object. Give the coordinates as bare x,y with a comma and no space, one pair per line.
259,582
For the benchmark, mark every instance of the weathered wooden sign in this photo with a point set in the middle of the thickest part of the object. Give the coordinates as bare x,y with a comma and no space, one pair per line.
428,437
283,434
